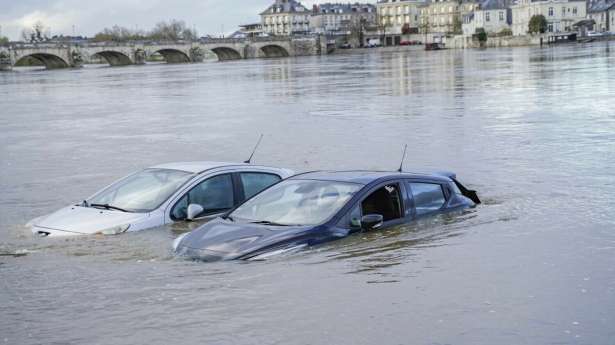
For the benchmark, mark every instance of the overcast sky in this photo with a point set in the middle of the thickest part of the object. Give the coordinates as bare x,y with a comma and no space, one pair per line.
89,17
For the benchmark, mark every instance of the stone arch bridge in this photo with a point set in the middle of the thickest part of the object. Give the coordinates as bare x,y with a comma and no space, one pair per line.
134,53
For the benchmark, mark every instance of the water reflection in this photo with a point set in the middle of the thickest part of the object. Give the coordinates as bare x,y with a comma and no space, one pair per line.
373,253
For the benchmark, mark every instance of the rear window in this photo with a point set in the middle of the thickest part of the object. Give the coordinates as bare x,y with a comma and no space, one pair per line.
428,197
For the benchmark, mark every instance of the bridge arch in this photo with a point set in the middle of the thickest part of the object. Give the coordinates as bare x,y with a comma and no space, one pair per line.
172,55
51,61
114,58
274,51
226,53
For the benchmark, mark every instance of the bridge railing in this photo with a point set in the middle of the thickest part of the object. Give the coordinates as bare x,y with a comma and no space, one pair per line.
270,39
21,45
223,40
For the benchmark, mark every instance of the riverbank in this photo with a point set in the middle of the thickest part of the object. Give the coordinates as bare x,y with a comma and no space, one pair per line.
467,42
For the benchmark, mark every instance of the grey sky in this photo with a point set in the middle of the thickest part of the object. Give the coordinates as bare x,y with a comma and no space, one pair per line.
89,17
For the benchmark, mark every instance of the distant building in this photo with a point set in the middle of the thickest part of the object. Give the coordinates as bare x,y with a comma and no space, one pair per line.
561,15
603,14
445,17
398,17
285,18
336,18
68,39
492,15
252,30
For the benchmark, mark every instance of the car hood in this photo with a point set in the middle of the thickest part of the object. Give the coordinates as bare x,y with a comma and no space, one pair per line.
223,239
84,221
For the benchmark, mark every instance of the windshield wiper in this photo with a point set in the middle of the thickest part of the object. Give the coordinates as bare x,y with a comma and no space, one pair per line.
266,222
109,207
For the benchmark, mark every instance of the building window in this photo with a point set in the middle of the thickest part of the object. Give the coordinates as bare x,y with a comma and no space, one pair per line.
574,10
487,16
550,27
550,11
501,16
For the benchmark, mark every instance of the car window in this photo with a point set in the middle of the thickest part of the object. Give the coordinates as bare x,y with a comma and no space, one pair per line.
428,197
144,191
386,201
253,183
215,195
297,202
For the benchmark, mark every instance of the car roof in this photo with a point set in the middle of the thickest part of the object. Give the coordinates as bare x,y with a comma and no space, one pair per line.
202,166
366,177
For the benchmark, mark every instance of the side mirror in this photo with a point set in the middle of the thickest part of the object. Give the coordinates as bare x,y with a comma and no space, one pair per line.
372,221
193,211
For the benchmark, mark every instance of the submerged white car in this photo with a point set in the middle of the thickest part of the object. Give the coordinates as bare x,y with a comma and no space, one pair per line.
161,195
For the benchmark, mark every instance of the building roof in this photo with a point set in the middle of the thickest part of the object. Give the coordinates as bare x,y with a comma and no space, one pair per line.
364,177
285,6
602,5
349,8
494,4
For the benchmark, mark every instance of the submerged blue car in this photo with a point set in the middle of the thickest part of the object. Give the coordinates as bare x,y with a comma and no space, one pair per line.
317,207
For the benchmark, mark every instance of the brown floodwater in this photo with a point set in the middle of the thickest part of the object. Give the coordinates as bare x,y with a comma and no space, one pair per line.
533,130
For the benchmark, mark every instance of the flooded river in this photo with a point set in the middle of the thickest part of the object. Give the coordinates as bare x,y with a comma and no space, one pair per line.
533,130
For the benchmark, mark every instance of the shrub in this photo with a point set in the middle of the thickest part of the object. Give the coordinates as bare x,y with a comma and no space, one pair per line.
538,24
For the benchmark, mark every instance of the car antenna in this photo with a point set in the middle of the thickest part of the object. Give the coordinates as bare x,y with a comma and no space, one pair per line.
249,161
403,158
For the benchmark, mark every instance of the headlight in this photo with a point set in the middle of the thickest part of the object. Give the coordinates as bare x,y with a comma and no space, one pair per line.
178,240
116,230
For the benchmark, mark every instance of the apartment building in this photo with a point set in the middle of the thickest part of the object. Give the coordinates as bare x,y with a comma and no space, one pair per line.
445,16
332,18
603,14
285,17
399,16
493,16
560,14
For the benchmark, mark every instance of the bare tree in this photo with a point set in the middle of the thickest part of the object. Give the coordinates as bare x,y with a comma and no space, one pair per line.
173,30
36,34
119,34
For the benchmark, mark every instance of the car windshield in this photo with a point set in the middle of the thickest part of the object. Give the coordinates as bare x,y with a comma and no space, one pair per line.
141,192
297,202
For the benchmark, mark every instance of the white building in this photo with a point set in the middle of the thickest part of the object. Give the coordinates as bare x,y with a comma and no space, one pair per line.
285,17
493,16
445,17
603,13
394,15
337,18
560,14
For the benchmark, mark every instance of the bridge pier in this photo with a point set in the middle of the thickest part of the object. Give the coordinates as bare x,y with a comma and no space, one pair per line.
5,60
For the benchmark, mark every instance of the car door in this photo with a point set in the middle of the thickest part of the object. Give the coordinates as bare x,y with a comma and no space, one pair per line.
216,195
387,199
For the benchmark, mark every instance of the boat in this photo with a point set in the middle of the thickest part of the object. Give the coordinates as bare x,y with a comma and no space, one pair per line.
434,46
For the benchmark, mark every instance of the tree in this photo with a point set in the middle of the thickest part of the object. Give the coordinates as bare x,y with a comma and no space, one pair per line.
118,34
355,29
538,24
424,27
4,40
174,30
457,29
481,35
35,34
